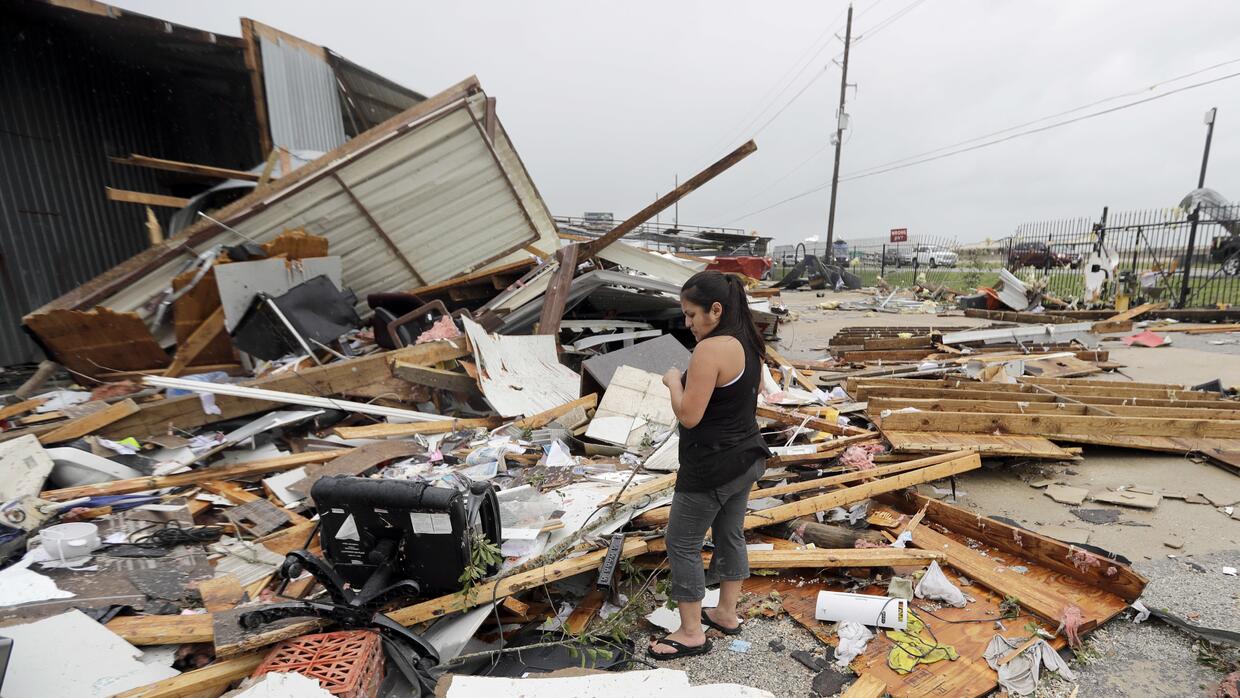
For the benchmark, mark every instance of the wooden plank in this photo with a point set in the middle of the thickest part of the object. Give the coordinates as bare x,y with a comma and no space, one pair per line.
962,463
878,405
254,66
795,419
435,377
891,355
20,408
866,686
88,424
881,343
592,248
827,558
218,674
867,393
357,462
221,472
1015,445
145,198
483,276
1119,390
797,376
184,167
556,295
509,585
337,378
206,333
386,431
659,516
199,298
163,630
542,419
1134,313
636,492
220,593
585,612
1014,316
1052,424
1050,382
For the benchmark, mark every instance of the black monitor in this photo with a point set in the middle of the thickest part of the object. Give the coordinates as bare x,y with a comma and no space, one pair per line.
428,525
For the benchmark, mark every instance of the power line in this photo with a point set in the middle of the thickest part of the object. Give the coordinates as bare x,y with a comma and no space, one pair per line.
1043,128
1112,98
994,142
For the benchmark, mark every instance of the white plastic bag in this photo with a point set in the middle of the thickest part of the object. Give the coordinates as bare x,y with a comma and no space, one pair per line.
853,639
935,585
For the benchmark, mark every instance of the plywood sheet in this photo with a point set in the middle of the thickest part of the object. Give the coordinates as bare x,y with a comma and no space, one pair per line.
521,375
98,341
635,408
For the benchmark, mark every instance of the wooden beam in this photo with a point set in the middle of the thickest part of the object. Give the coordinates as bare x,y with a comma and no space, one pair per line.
592,248
1134,313
254,65
866,686
866,393
544,418
1051,424
824,558
220,593
878,405
556,295
437,378
337,378
90,423
145,198
216,675
239,495
163,630
185,167
797,376
659,516
484,275
961,463
206,333
19,408
486,592
220,472
1120,580
585,611
794,419
826,450
635,492
387,431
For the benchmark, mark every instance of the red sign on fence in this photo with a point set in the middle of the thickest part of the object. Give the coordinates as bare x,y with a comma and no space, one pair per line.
899,234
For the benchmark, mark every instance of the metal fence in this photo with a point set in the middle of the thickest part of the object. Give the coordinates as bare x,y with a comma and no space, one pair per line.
1187,259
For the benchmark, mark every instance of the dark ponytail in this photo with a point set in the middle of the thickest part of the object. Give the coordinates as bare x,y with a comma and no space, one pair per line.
706,288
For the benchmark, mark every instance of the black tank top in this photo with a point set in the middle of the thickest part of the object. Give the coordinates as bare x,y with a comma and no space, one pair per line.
726,442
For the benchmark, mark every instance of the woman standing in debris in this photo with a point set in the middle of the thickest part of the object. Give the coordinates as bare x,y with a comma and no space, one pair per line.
721,456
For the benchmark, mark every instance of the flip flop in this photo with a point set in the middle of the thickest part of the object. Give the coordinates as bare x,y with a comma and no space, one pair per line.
681,650
712,624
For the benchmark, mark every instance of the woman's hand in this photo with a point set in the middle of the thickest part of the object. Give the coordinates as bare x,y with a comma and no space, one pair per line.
672,377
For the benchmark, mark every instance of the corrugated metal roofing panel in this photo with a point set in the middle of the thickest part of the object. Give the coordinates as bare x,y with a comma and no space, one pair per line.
303,104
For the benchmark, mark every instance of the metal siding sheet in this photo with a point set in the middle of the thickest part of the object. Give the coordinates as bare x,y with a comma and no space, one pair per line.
303,105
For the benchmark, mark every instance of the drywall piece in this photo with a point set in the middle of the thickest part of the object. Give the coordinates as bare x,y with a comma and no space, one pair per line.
666,458
88,660
601,339
1012,291
674,270
24,467
278,484
656,356
656,683
636,408
1066,494
521,375
880,611
19,584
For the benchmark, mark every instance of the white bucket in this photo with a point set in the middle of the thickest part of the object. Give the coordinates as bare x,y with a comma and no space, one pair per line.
70,540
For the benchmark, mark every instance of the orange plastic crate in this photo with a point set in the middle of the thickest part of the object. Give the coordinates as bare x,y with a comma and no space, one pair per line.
347,663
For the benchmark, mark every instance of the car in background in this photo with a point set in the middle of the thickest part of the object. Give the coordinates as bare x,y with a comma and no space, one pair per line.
1037,254
935,256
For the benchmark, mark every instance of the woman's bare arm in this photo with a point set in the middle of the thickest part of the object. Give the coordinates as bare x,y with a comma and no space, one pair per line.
689,403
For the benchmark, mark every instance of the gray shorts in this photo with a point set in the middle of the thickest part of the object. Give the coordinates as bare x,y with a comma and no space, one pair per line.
722,511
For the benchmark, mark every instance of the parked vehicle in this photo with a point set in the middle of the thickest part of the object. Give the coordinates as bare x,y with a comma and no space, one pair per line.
935,256
1037,254
840,252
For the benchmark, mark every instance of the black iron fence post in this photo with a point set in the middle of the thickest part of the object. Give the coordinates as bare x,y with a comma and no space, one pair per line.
1187,266
882,263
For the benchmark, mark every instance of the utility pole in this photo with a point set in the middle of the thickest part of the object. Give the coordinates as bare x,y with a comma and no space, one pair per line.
1196,214
840,117
676,211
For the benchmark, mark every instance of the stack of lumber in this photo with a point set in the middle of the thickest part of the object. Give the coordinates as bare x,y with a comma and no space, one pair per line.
1030,417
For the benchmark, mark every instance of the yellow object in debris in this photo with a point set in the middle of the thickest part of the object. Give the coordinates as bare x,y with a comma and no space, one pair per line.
829,305
912,649
905,335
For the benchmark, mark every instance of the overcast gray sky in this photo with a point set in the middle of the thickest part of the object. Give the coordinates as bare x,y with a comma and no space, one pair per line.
607,102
